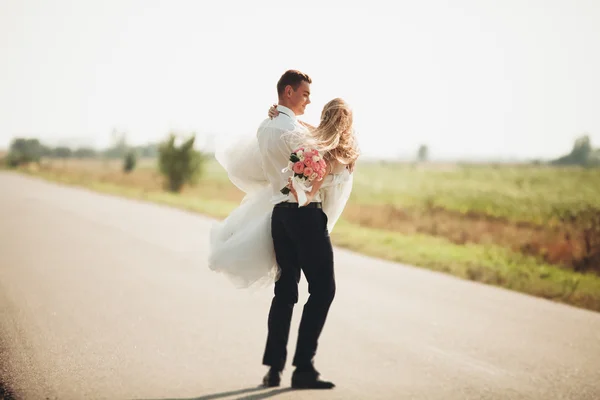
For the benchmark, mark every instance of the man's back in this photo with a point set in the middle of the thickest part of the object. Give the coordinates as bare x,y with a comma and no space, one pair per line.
275,148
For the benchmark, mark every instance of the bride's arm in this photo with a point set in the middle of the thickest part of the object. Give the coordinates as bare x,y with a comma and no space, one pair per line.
317,184
335,178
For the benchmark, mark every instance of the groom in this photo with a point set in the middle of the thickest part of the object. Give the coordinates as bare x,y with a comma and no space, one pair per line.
301,243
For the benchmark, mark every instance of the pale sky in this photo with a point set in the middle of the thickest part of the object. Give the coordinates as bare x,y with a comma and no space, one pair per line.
505,78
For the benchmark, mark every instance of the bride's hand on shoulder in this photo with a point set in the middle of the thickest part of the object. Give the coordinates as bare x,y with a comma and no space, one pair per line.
273,111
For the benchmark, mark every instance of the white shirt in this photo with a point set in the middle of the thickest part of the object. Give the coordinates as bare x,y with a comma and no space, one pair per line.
275,149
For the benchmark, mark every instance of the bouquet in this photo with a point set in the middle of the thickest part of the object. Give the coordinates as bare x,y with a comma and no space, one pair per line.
308,165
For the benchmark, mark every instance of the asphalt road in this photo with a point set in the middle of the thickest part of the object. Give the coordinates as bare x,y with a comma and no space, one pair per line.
102,297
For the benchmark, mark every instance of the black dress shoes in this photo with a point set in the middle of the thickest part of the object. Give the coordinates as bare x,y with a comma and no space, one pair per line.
272,378
309,379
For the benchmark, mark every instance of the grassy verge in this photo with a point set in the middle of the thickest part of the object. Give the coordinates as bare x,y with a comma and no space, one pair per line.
204,205
484,262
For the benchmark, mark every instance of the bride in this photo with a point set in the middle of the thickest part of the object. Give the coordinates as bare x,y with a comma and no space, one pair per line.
241,246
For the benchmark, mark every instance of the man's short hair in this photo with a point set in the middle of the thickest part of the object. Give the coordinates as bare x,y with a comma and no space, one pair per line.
293,78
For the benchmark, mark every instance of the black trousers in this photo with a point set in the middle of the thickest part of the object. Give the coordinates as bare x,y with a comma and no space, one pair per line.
301,243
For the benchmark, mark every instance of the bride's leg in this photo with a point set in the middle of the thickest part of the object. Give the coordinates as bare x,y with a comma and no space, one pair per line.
286,293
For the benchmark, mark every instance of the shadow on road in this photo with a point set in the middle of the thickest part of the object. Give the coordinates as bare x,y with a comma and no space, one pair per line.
265,395
250,394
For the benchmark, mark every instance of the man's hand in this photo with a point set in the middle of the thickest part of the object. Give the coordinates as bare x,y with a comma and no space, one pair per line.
309,196
292,190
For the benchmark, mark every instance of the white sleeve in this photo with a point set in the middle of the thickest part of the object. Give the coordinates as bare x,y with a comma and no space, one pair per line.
335,179
335,198
275,153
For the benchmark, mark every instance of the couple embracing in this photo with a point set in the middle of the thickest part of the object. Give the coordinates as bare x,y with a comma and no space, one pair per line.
282,227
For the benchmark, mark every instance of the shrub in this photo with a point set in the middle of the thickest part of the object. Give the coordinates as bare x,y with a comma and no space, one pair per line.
179,164
24,151
583,228
129,161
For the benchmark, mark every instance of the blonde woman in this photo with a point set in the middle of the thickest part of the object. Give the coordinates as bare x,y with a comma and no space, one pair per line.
334,138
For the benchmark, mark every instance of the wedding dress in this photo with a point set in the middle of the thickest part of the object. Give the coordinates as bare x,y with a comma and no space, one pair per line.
241,246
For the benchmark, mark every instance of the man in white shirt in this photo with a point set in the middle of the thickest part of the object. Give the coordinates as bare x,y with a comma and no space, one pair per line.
276,147
301,243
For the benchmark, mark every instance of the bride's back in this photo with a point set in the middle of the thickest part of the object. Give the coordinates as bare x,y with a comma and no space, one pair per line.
335,135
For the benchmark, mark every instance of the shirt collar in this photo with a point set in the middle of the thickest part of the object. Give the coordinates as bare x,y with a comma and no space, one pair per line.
286,111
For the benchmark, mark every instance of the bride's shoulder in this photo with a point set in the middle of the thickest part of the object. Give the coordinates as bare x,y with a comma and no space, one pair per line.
337,168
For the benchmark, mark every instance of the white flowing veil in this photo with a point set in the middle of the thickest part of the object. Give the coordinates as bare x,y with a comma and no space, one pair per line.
241,246
234,153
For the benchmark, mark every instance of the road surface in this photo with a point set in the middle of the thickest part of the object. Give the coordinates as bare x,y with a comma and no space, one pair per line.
102,297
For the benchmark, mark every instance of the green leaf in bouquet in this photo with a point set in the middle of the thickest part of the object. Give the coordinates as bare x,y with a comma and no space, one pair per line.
294,158
285,190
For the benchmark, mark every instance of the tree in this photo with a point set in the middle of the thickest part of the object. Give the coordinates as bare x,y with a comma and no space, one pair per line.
423,153
180,165
23,151
84,152
129,161
594,158
62,152
581,154
149,150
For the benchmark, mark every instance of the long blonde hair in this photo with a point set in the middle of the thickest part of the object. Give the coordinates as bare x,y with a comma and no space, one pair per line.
335,134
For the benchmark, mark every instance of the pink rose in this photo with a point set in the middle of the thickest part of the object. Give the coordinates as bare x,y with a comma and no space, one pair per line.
323,164
308,171
316,166
309,153
321,174
308,162
299,167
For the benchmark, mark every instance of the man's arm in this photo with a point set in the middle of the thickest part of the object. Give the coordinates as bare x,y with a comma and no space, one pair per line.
275,153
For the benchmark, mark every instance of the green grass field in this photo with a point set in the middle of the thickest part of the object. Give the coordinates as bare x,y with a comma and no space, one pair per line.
493,224
517,193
